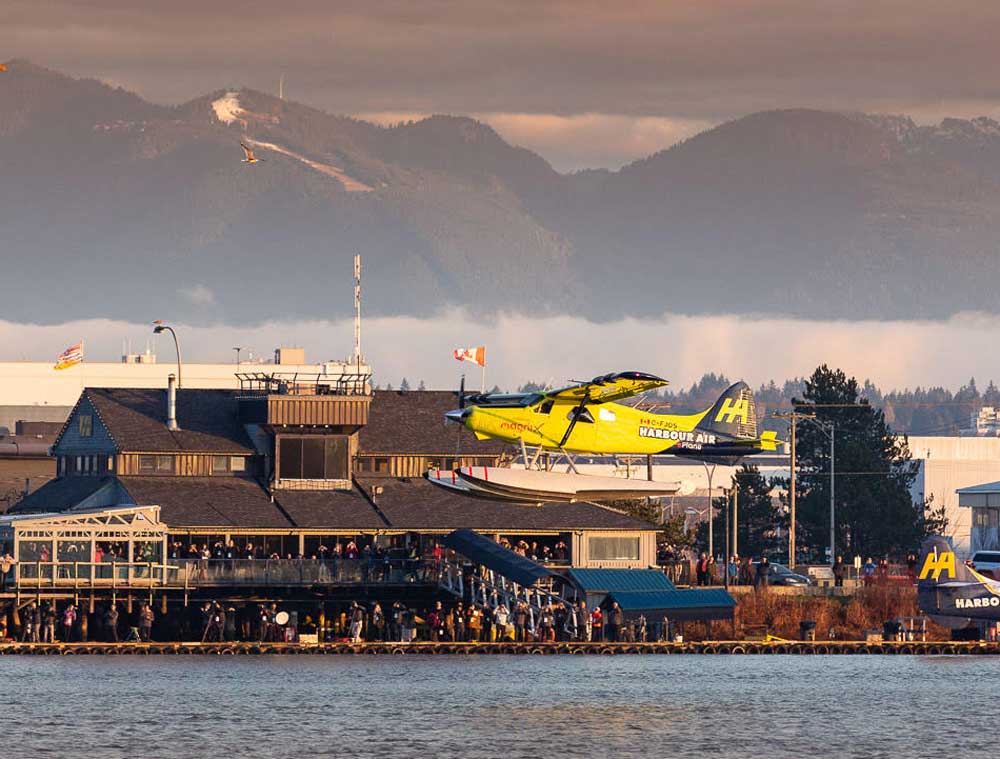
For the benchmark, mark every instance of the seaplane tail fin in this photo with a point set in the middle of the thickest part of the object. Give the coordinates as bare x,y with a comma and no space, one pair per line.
734,415
951,591
938,566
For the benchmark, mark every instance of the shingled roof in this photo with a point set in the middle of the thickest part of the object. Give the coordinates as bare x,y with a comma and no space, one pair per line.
207,501
136,419
412,421
60,494
415,504
338,509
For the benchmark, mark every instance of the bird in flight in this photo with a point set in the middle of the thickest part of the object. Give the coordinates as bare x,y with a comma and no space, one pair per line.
250,157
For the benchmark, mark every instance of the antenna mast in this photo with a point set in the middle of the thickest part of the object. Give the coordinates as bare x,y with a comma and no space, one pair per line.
281,87
357,311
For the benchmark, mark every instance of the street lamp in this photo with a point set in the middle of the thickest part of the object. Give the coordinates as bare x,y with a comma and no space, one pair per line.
710,471
827,428
160,328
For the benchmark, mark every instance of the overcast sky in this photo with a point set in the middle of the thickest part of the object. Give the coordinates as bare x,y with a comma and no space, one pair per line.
585,83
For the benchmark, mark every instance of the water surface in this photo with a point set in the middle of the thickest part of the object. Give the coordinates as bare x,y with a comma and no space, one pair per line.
750,707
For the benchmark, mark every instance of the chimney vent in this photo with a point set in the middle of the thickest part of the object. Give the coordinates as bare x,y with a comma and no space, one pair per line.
172,403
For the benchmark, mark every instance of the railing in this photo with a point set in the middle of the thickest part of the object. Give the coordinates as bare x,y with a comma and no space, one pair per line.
194,573
33,575
206,572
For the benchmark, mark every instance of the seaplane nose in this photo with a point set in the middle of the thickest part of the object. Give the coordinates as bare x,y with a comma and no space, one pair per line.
459,415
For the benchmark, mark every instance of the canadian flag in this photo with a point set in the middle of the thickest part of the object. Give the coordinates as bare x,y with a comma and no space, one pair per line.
476,355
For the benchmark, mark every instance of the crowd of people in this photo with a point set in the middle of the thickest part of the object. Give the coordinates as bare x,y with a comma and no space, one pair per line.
216,621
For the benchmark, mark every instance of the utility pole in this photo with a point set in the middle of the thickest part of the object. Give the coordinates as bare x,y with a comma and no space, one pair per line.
725,563
828,429
736,503
710,471
792,416
791,500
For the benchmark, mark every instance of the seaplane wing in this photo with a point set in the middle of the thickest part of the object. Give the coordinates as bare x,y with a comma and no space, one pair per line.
608,387
531,486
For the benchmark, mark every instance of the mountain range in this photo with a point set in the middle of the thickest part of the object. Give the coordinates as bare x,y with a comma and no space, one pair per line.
116,207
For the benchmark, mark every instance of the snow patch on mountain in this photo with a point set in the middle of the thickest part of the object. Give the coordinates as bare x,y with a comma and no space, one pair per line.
350,184
227,108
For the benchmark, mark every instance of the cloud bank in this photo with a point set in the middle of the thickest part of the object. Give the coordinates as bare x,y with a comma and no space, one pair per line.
554,350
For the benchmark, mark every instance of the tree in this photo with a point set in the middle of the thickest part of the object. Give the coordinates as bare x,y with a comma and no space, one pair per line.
421,386
404,385
875,512
758,517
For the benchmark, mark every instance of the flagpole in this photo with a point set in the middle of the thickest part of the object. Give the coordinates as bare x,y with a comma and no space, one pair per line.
483,385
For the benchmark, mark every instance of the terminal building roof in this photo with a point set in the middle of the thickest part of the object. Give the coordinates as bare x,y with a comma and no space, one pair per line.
413,422
136,419
206,501
415,504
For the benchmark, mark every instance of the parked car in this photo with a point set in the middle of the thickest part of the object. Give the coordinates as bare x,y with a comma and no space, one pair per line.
779,574
987,563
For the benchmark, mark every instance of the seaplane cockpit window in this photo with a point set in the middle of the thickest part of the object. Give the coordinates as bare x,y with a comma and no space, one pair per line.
544,408
585,416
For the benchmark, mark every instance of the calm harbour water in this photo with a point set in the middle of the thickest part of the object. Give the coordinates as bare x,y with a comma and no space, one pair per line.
499,706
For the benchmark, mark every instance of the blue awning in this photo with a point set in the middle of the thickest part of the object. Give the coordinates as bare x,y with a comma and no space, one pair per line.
491,555
707,603
610,580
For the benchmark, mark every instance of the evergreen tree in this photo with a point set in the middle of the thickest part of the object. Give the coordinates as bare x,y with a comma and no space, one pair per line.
758,516
404,385
421,386
875,512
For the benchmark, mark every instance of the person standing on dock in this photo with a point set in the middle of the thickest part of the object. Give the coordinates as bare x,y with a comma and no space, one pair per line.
6,570
763,577
146,617
32,619
597,624
500,617
48,624
584,624
357,622
614,622
703,570
839,572
68,620
111,623
475,623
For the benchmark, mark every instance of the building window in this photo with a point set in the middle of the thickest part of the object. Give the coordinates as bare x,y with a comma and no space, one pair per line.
313,458
382,465
614,549
220,464
149,464
86,425
237,464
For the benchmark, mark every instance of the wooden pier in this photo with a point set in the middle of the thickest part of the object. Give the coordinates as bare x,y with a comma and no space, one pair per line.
710,647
